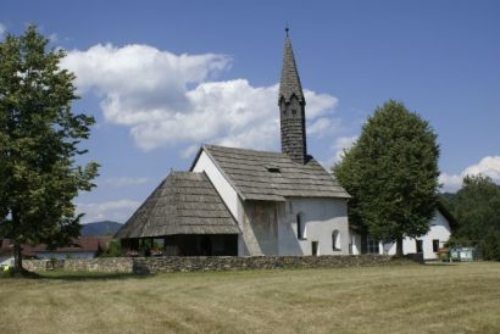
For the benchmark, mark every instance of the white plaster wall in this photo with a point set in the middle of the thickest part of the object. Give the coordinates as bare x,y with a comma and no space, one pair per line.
355,240
439,229
320,216
62,255
7,261
226,192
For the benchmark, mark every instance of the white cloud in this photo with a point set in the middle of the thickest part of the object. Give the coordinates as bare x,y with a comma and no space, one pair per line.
450,182
3,29
338,148
53,38
189,151
489,166
323,126
125,181
167,99
341,145
118,211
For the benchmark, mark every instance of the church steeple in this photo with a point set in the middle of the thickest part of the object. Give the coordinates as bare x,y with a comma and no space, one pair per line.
292,103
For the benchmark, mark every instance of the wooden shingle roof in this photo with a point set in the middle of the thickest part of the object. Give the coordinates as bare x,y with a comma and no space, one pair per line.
183,203
273,176
290,80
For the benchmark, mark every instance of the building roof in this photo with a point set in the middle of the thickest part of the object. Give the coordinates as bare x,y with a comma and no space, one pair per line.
448,215
183,203
290,80
272,176
80,244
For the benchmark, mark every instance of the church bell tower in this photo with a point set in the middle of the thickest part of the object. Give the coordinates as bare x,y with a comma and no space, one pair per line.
292,104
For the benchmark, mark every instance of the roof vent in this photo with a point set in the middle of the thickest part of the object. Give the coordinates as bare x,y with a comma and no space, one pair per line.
273,169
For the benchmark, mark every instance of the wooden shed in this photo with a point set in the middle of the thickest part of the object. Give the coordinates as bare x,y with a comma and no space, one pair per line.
187,214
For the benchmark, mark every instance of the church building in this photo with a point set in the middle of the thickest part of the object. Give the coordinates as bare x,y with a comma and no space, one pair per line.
245,202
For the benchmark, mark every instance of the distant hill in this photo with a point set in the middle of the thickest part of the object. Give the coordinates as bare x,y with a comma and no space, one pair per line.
100,228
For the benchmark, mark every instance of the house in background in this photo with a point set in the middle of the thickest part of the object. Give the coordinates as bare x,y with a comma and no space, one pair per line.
81,248
440,229
245,202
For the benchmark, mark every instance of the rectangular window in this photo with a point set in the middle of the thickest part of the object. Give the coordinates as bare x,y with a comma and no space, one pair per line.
435,245
300,228
419,244
372,246
314,248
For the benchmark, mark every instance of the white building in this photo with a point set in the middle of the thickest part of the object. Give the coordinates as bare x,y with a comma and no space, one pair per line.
246,202
277,213
440,228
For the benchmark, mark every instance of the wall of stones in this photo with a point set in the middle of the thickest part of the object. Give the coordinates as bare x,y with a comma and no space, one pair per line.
104,265
43,265
144,265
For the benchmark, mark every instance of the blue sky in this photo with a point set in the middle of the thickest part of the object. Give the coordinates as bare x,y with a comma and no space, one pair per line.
162,77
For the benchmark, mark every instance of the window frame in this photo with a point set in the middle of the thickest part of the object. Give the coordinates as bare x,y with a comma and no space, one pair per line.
419,246
435,245
336,243
372,246
301,228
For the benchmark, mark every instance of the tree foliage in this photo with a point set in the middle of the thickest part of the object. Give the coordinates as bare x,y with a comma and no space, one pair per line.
392,174
476,206
39,142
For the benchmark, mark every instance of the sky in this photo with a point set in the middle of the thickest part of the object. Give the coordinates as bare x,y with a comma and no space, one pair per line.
163,77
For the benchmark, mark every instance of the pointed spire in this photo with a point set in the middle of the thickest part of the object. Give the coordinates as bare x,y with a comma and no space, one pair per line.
292,103
290,80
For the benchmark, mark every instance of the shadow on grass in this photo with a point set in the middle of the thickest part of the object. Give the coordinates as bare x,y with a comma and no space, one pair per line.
89,276
441,264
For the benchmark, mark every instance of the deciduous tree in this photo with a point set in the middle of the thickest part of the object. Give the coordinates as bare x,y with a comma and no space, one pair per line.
39,142
392,174
476,206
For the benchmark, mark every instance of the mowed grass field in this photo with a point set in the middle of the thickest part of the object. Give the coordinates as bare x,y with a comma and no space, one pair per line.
459,298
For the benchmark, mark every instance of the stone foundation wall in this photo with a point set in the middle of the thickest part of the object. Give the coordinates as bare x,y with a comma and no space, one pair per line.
103,265
221,263
145,265
43,265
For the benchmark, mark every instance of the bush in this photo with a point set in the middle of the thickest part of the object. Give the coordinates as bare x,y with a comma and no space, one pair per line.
490,246
114,249
5,271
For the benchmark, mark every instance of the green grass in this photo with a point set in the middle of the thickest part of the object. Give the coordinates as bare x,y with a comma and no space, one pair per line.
461,298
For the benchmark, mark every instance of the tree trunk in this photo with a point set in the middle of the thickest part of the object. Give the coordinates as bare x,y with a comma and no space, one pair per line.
399,247
18,257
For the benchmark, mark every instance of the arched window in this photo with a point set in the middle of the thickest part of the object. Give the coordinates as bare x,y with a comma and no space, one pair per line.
336,240
300,227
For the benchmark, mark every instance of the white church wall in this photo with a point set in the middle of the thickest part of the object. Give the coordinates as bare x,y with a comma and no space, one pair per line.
223,187
226,192
320,218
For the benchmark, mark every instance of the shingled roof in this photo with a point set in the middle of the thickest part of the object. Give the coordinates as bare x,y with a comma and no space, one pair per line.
183,203
272,176
290,80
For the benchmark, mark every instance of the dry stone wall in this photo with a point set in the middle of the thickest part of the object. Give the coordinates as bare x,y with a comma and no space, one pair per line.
144,265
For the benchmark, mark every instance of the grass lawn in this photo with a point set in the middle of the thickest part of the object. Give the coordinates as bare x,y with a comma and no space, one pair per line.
461,298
